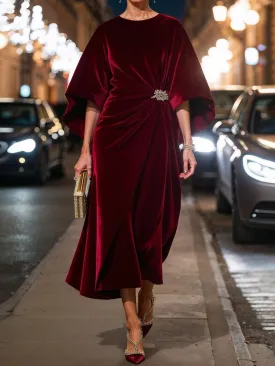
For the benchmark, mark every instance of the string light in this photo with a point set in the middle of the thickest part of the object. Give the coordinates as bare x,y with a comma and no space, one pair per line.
29,33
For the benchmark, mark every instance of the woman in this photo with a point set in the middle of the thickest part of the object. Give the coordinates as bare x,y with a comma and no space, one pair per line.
130,95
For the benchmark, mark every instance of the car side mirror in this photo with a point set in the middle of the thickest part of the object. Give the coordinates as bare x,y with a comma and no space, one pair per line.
223,127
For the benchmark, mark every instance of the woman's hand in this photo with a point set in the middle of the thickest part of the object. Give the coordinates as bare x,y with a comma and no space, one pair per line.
189,164
84,163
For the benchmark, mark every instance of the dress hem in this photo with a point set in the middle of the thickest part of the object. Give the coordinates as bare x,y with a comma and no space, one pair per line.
106,294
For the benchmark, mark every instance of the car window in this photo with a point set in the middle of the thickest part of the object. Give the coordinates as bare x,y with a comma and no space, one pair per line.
17,114
224,100
263,115
239,113
42,112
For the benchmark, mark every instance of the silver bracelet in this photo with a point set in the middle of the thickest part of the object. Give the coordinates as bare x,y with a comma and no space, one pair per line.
189,147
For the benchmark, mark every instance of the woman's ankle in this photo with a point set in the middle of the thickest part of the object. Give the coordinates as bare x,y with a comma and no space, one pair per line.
133,322
143,294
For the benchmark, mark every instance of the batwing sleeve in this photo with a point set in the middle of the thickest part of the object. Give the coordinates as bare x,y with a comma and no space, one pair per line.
189,83
90,82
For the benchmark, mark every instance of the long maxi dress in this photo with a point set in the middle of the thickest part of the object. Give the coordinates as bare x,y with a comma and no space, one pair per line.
137,73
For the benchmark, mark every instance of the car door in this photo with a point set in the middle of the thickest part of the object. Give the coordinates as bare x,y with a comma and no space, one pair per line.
229,149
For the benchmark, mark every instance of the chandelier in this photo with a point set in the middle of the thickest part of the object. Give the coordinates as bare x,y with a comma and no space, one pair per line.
29,33
239,14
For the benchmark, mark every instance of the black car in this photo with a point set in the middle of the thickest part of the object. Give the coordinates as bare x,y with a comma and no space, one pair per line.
32,139
74,141
205,141
246,164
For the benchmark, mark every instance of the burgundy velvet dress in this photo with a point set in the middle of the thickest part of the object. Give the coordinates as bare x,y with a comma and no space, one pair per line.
135,193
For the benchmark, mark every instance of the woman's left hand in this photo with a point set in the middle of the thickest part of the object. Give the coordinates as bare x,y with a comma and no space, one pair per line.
189,164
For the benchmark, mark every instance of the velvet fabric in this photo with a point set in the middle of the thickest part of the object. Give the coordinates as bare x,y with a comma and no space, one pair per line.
135,195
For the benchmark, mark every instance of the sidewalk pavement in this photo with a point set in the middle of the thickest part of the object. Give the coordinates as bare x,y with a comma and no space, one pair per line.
53,325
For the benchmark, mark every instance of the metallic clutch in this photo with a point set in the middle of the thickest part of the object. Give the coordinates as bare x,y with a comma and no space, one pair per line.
81,190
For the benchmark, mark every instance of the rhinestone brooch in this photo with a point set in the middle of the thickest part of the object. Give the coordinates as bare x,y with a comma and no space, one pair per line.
160,95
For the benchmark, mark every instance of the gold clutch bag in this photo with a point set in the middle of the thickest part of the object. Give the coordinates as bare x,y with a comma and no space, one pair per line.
81,190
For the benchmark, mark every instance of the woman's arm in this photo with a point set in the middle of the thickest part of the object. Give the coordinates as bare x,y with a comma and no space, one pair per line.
91,118
85,161
189,161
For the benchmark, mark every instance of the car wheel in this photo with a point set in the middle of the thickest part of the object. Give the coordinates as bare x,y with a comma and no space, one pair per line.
241,233
222,205
42,174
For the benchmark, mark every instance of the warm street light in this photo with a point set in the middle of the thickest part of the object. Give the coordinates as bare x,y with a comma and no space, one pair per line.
240,14
220,12
251,56
252,17
222,43
29,33
237,25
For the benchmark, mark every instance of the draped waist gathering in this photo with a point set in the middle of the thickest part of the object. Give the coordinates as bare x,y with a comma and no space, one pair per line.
119,94
120,107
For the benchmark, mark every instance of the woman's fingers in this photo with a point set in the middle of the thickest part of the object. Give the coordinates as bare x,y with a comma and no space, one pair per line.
77,172
78,169
189,166
84,163
185,165
191,170
89,169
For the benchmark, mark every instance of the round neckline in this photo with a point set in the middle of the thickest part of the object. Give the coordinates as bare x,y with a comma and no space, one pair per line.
139,21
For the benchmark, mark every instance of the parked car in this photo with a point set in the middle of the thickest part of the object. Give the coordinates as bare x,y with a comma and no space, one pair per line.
246,163
31,139
73,140
205,141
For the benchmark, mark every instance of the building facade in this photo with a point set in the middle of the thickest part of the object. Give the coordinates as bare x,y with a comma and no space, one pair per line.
204,32
78,20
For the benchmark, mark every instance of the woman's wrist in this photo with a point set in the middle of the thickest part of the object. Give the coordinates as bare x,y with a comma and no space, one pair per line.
188,141
85,149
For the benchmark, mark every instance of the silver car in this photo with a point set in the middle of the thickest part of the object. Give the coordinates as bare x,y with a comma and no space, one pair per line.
246,163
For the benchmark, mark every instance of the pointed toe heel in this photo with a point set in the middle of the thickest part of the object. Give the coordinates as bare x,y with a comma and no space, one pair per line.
146,326
136,357
146,329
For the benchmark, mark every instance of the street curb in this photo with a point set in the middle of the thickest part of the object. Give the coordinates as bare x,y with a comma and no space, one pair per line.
242,352
7,307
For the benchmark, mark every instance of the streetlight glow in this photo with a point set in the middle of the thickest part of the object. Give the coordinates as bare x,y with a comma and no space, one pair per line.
252,17
220,12
30,34
222,43
251,56
237,25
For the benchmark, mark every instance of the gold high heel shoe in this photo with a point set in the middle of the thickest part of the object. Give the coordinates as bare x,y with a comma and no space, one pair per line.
146,326
134,356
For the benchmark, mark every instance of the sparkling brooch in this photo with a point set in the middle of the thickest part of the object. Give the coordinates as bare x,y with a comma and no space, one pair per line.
160,95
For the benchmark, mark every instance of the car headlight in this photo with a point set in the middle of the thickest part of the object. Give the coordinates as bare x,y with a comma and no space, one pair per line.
27,145
203,145
260,169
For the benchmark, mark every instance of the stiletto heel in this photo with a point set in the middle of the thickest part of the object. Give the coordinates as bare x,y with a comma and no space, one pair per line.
146,326
134,356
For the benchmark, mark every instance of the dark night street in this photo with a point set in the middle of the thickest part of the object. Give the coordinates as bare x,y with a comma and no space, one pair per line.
32,219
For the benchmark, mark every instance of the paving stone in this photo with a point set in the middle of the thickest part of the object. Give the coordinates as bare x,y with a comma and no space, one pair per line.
53,325
179,330
57,306
180,306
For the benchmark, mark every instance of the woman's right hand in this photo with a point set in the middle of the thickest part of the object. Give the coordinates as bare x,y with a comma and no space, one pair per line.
84,163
